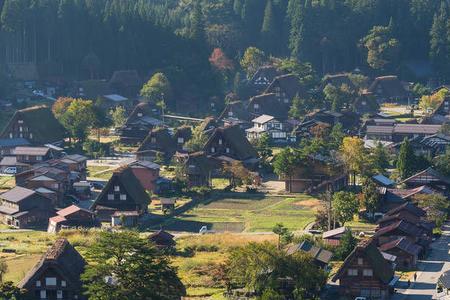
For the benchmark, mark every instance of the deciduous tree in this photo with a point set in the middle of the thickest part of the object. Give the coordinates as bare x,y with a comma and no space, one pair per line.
253,59
345,206
157,88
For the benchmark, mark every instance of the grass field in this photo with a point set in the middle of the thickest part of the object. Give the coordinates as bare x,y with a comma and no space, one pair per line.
6,182
249,215
103,172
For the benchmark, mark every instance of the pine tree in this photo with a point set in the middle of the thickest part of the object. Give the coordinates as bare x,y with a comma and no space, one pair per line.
406,160
197,24
296,35
237,7
268,31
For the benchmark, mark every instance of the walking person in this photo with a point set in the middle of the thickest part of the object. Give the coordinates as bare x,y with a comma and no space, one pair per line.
415,277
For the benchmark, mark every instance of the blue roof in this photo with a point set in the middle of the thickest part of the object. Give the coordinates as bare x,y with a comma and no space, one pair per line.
14,142
383,180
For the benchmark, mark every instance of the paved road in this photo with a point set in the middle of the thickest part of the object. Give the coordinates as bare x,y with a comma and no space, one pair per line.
430,270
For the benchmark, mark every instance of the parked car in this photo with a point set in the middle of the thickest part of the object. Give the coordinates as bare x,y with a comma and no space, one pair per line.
10,170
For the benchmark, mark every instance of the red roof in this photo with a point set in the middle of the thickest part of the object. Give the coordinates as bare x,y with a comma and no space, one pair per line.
57,219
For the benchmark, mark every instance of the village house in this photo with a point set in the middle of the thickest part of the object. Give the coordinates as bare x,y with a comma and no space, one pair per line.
440,115
126,83
75,162
122,194
158,140
430,146
7,145
235,113
91,89
388,89
268,104
407,252
33,155
141,120
198,168
365,273
285,88
266,124
71,217
337,80
182,135
443,285
167,205
57,274
146,172
318,174
333,237
33,124
162,239
431,178
321,256
229,143
399,132
22,208
261,80
114,100
403,228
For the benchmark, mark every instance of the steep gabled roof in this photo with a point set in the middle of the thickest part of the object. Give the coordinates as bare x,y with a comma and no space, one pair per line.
41,122
289,83
235,109
319,254
164,141
61,257
382,269
269,104
391,86
131,184
405,227
430,173
235,138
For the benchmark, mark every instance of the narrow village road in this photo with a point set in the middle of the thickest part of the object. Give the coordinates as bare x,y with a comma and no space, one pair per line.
429,271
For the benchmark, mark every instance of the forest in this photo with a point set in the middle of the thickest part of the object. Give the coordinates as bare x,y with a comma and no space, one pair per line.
89,39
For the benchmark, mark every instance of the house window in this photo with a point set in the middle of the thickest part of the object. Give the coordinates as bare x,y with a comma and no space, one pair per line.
39,158
63,283
213,150
38,283
59,294
123,197
110,197
220,141
117,188
286,100
227,150
153,140
43,294
230,113
21,135
256,106
352,272
10,135
360,261
50,281
55,186
180,140
20,121
140,114
368,272
31,135
20,128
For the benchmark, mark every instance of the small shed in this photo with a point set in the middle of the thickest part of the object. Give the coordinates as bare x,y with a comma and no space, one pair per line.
333,237
162,239
167,204
125,218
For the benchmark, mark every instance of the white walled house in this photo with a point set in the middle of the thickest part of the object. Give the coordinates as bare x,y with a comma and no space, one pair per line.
267,124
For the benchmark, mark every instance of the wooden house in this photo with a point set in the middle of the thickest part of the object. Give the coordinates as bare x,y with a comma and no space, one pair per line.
440,115
57,274
22,208
167,204
122,193
285,88
146,172
126,82
36,124
162,239
403,228
236,113
141,120
198,168
399,132
388,89
321,256
333,237
158,140
262,78
227,143
429,177
7,145
33,155
268,104
266,124
182,135
407,252
365,273
72,216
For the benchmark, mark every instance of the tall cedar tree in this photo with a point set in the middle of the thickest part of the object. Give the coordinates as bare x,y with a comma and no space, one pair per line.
440,40
268,30
406,160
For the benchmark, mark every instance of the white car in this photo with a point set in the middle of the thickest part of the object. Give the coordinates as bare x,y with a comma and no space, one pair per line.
10,170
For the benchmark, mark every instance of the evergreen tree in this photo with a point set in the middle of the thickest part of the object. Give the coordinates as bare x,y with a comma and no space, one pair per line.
197,23
296,35
440,40
268,30
406,160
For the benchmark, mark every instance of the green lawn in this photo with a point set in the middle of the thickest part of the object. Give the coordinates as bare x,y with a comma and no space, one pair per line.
7,182
251,215
103,172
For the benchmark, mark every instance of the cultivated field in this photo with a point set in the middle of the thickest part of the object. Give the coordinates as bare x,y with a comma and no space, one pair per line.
255,214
